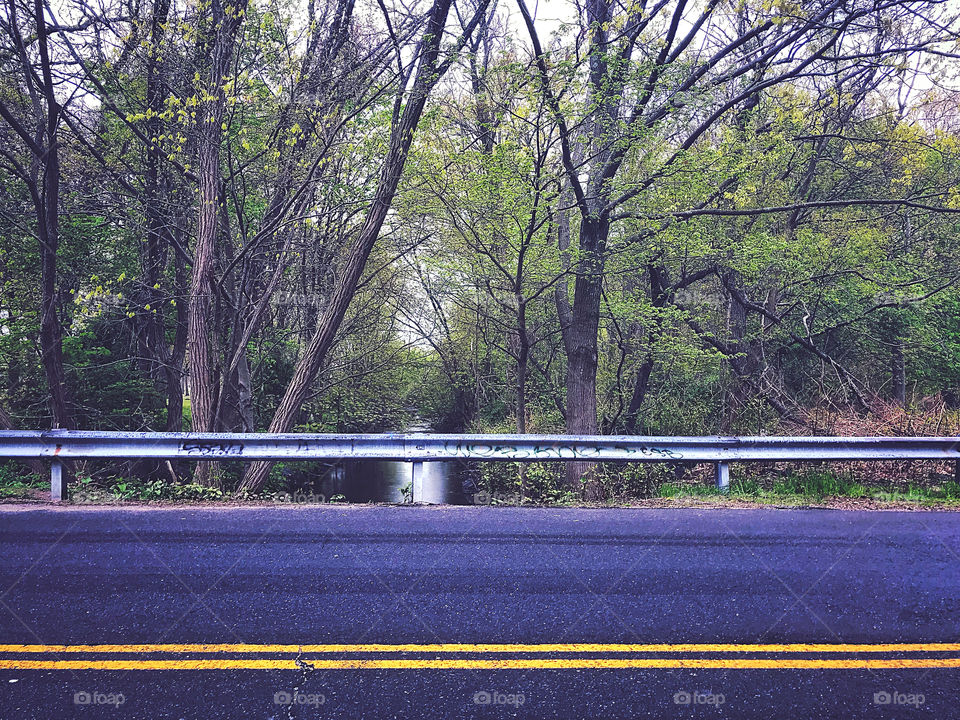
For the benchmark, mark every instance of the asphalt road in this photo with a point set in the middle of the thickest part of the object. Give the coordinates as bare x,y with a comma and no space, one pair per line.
468,612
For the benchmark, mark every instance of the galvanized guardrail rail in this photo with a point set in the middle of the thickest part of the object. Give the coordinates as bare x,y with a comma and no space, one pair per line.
418,448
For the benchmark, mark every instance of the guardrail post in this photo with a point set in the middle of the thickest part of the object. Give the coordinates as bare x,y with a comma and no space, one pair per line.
723,477
56,481
416,485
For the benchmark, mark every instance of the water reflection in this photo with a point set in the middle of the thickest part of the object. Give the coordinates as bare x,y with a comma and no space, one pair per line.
363,481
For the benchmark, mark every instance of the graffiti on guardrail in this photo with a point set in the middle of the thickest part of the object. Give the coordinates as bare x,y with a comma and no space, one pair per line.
554,451
666,453
212,449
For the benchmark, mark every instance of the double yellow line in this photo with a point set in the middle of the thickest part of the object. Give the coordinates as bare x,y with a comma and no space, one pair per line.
733,656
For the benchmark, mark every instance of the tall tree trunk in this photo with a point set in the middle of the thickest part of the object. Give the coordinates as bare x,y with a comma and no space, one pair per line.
51,331
40,134
167,362
203,393
592,198
523,359
737,329
640,388
580,339
658,298
157,240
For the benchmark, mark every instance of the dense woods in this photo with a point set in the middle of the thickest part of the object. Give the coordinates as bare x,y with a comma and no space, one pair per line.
652,217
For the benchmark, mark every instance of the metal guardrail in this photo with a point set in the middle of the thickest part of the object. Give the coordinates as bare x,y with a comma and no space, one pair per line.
418,448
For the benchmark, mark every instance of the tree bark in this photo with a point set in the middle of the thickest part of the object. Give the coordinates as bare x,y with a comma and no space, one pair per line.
582,356
203,390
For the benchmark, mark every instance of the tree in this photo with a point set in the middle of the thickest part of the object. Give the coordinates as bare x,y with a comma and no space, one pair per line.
33,114
668,75
408,109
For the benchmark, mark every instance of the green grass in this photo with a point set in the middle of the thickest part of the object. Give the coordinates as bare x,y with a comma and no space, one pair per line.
819,484
85,490
816,485
949,491
673,490
15,483
16,489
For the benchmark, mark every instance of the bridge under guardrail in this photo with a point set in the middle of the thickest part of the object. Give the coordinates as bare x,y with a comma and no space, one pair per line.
417,448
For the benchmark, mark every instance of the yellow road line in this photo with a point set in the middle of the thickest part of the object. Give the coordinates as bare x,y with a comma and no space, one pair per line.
491,648
483,664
